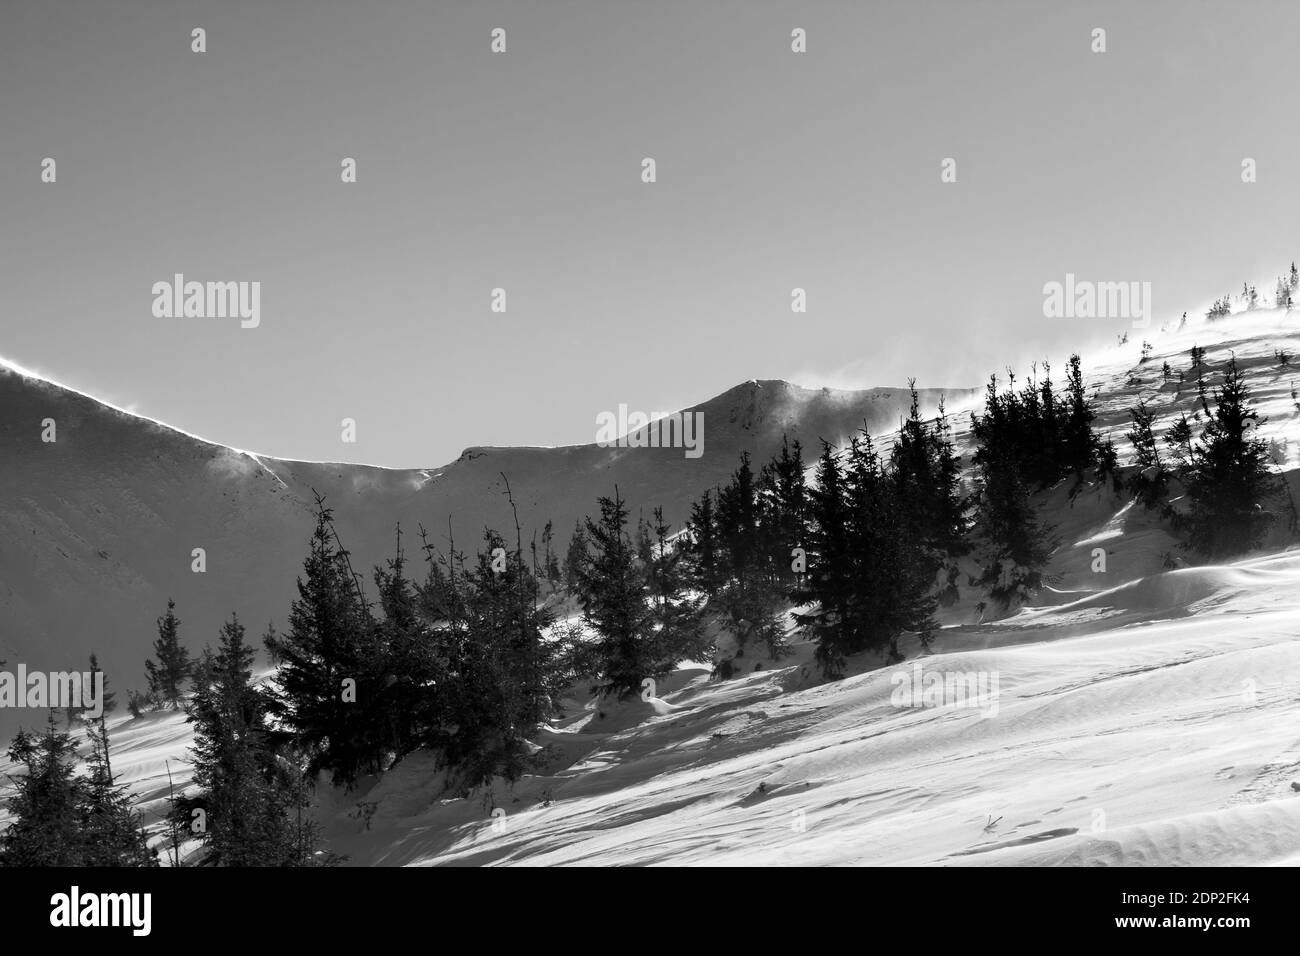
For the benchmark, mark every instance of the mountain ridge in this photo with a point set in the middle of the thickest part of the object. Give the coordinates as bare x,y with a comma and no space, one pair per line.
98,529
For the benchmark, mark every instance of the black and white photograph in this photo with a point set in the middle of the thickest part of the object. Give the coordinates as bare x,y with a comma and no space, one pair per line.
589,433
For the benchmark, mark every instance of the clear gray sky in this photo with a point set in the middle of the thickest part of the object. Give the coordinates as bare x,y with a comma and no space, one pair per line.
523,171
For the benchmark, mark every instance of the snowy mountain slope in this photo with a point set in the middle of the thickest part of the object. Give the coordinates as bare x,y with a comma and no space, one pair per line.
1172,741
98,527
1142,717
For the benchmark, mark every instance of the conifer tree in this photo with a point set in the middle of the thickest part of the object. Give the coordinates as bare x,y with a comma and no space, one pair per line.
702,535
1227,476
434,595
1080,442
550,565
113,833
1027,441
785,510
928,505
613,593
109,700
330,667
455,659
574,557
829,586
748,595
108,704
676,617
246,795
926,473
1015,545
1150,480
871,572
74,711
894,567
45,806
408,652
61,819
505,675
950,524
172,668
737,522
644,545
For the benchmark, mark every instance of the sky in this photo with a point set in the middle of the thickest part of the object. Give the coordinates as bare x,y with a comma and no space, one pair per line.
522,170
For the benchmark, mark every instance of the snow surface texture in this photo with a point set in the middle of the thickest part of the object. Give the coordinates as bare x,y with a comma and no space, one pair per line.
1143,717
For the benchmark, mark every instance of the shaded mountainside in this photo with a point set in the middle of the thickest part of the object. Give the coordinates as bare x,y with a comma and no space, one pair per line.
97,528
1141,716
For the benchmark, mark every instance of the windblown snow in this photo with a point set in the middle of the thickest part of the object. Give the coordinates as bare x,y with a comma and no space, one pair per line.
1142,716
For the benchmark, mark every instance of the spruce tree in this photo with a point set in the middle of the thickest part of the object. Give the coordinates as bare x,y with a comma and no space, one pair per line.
108,704
1025,446
404,642
748,598
644,545
434,594
895,569
829,586
45,806
168,675
1150,480
550,566
737,522
506,675
109,697
950,523
1048,432
112,831
926,473
60,819
1080,442
1015,544
1179,440
613,594
702,547
677,617
455,661
785,510
248,800
330,668
574,557
871,571
1227,476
